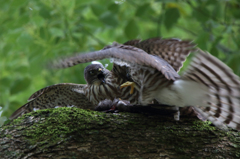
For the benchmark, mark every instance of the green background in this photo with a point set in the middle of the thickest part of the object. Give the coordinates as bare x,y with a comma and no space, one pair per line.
34,32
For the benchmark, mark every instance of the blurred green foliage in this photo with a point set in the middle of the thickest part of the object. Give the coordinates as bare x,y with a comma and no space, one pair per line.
33,32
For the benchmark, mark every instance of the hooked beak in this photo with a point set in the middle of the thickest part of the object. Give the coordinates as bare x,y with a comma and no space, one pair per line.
101,76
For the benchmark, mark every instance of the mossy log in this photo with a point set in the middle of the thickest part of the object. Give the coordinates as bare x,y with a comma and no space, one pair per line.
76,133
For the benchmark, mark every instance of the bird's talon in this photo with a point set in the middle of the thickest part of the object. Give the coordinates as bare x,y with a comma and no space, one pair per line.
126,84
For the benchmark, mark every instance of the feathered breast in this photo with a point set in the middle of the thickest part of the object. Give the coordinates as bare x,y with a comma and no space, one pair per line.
110,90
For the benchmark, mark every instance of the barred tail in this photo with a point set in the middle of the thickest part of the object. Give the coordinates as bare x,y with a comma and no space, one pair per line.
222,103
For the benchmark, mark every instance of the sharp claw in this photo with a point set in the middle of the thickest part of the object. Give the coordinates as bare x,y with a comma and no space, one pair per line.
126,84
132,88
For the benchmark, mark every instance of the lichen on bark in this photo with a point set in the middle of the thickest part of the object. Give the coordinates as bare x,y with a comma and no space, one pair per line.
78,133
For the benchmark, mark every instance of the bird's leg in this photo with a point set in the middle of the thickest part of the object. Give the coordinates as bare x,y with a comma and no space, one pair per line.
177,114
128,83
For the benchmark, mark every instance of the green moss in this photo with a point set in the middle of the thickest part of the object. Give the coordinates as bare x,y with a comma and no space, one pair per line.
56,124
46,128
8,136
203,125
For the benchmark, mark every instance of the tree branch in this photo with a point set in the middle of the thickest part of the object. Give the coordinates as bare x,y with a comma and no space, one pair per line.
78,133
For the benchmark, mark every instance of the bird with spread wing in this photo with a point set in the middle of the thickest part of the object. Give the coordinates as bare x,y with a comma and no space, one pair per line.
208,84
103,84
165,55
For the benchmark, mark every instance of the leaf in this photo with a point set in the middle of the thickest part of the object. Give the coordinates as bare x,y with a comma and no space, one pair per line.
18,3
202,40
210,2
166,1
38,21
5,83
22,20
236,40
98,9
201,14
20,85
7,109
44,11
131,30
13,35
217,11
142,9
22,69
24,39
70,7
114,8
109,19
56,32
233,63
171,17
214,50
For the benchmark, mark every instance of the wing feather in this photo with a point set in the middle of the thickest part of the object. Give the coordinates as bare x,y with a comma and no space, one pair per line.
63,94
222,105
174,51
131,55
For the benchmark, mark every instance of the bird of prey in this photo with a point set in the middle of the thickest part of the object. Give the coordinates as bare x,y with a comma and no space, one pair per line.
103,84
168,59
208,84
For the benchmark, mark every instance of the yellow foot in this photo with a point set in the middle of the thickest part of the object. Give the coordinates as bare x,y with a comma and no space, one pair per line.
126,84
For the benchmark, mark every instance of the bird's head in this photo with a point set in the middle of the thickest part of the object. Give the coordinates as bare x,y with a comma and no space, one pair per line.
95,74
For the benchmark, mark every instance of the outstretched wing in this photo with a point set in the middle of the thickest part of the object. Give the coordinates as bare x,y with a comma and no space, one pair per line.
64,94
174,51
222,104
129,55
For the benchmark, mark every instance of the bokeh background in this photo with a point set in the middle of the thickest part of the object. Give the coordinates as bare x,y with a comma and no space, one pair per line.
34,32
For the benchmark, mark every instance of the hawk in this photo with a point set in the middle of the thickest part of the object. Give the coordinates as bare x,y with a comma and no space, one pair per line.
208,84
169,57
103,84
70,94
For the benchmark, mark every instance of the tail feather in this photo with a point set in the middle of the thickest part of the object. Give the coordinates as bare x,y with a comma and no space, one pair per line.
222,106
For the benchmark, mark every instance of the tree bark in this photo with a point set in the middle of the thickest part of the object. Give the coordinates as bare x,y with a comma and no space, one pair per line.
76,133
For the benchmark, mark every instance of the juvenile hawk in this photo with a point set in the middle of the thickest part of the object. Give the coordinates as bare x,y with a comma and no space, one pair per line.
103,84
168,59
208,84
